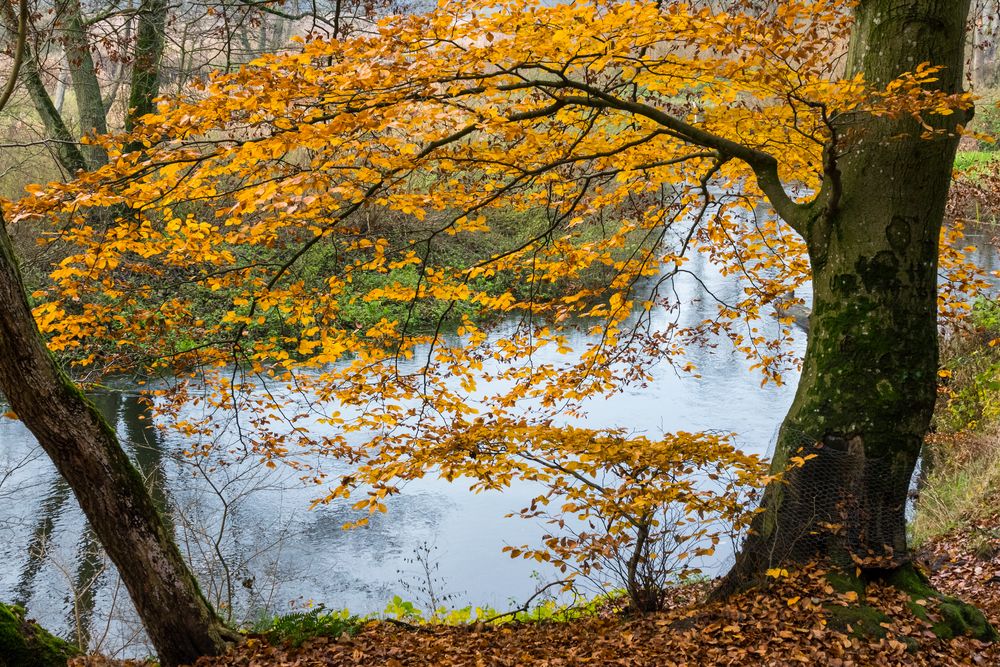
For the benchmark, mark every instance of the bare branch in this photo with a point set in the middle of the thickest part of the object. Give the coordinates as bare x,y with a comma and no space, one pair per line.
22,38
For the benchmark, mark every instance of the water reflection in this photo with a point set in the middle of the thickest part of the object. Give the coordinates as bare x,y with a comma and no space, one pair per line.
247,531
51,507
987,252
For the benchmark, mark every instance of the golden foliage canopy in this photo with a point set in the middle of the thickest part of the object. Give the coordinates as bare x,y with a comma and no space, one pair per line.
640,132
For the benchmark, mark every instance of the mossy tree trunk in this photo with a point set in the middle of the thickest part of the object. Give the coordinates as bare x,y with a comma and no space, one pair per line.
66,151
23,643
83,73
868,384
149,38
85,450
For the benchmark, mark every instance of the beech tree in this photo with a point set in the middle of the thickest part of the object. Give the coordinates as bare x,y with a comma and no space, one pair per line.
618,124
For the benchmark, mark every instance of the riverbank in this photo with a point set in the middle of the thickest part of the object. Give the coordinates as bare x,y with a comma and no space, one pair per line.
800,618
792,622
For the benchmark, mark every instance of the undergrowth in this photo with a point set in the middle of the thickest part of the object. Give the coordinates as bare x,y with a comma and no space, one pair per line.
974,163
296,628
961,464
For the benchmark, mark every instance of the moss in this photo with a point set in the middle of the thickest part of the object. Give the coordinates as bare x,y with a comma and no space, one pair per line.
23,643
957,618
908,579
962,619
861,620
947,616
842,583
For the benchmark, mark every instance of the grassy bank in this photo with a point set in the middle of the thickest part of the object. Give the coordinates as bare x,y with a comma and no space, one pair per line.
975,162
961,464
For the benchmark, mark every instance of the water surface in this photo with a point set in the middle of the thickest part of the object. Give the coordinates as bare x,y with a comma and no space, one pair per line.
257,547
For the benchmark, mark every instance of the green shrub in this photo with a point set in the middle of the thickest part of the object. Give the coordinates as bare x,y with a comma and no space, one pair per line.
986,315
961,466
298,627
971,367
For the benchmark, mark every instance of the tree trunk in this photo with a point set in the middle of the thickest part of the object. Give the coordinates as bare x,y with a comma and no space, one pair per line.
984,48
867,390
66,150
146,61
86,452
86,87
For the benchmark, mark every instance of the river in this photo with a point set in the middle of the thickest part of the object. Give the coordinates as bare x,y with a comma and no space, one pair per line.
278,554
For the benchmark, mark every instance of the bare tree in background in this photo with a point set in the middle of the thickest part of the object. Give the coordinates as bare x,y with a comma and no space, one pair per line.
985,33
114,57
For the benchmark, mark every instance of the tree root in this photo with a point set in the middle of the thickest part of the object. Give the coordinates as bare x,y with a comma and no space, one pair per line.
957,618
948,616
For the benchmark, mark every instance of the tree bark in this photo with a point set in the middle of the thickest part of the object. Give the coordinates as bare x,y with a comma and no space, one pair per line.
868,384
986,31
67,151
86,87
86,452
146,61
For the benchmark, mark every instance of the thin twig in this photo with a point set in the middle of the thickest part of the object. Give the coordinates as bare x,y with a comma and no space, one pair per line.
527,603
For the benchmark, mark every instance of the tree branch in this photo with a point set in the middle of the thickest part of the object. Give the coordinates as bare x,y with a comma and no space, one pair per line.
22,38
764,165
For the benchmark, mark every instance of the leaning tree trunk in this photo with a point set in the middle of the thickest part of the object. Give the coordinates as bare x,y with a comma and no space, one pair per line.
66,150
85,450
867,390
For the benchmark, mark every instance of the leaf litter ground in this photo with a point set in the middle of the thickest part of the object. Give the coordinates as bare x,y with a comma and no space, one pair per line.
787,624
